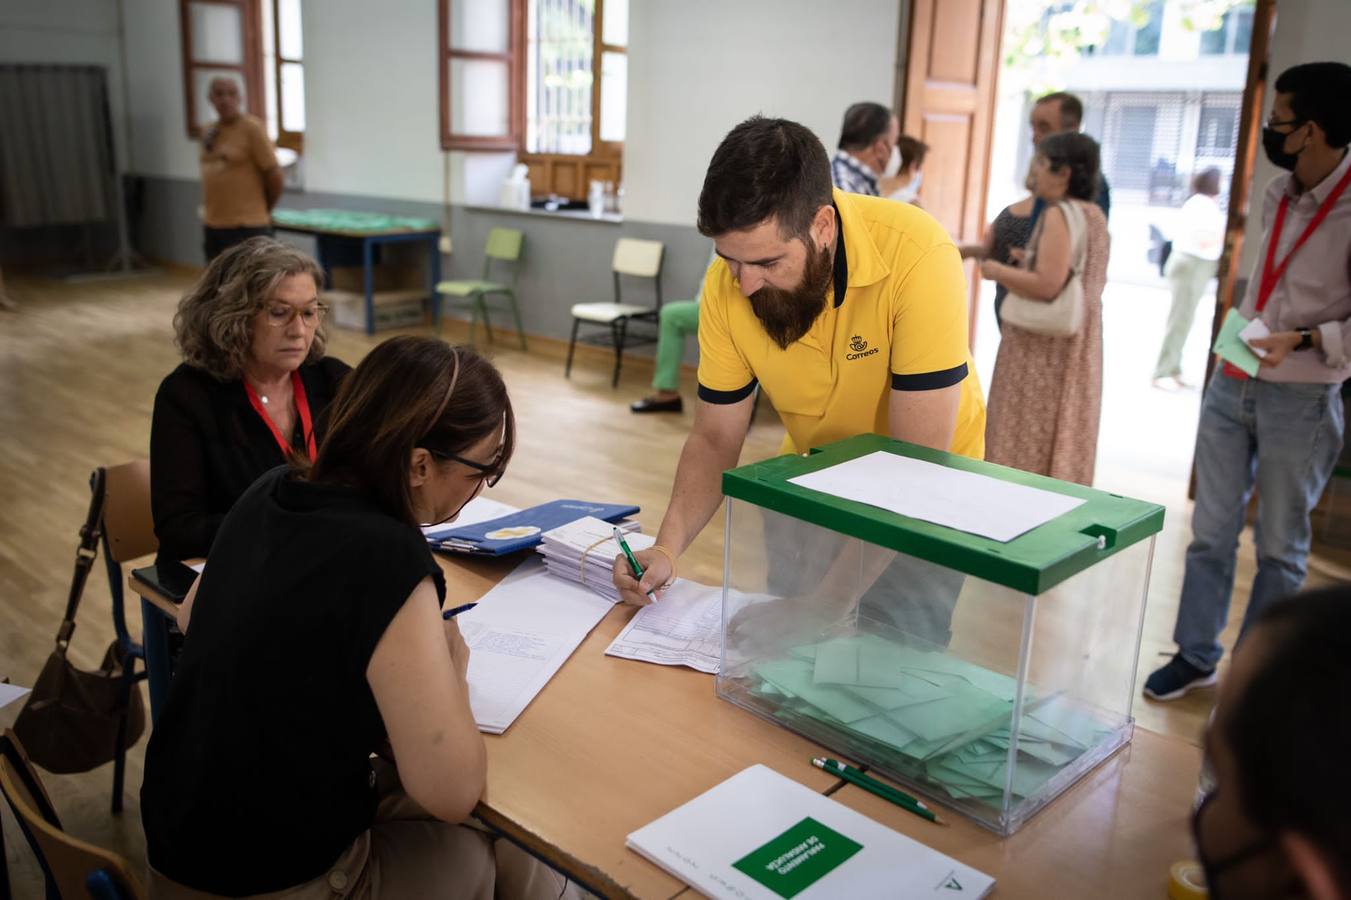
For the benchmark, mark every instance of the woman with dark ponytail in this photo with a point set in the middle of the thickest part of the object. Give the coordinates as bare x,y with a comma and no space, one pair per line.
316,640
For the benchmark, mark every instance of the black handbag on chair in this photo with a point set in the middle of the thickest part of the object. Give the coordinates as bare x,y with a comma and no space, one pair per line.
76,720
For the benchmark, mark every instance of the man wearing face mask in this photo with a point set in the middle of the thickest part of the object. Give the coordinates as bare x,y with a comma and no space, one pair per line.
850,312
867,150
1275,823
1281,431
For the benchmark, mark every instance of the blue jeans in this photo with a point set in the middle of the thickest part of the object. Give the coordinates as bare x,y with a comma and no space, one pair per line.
1286,439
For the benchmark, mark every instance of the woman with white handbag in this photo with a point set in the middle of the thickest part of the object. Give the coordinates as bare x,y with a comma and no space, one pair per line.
1046,393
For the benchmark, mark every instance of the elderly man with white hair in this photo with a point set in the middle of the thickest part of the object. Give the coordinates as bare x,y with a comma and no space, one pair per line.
241,180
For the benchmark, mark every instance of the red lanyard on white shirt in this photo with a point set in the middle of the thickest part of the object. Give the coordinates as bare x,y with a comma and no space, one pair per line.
1272,273
302,408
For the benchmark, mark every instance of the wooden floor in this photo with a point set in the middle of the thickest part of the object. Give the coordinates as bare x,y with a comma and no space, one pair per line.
79,365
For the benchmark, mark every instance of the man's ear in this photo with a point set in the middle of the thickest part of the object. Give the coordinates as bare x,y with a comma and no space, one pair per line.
823,226
1311,866
419,467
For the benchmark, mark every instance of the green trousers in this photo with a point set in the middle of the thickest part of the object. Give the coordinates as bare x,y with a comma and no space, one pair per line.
1187,276
678,320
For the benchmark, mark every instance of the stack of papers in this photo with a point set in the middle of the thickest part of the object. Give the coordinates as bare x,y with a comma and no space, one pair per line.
584,552
683,628
928,715
519,635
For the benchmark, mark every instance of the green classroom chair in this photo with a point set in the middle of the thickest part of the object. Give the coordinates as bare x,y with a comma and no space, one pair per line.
504,246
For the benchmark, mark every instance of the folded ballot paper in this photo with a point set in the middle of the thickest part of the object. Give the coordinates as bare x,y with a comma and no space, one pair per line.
584,551
524,529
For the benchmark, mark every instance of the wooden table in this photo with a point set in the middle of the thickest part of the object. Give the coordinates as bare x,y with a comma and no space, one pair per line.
611,744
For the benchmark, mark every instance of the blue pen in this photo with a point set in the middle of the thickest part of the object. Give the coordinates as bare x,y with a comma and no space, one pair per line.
452,613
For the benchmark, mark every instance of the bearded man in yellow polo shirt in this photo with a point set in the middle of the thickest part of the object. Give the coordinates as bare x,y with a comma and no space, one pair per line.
848,311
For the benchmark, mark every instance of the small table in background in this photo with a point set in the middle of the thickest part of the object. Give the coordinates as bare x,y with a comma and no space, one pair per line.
347,235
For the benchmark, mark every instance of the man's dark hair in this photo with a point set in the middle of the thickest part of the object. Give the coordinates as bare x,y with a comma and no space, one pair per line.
1080,153
912,150
1290,731
1319,94
863,123
765,168
1207,181
1071,108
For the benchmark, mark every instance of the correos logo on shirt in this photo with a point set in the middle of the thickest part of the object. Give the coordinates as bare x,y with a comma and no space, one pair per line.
860,348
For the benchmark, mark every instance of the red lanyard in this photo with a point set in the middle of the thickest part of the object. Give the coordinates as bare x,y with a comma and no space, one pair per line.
302,407
1272,273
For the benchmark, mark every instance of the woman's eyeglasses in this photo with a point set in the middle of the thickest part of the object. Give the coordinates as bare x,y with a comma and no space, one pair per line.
282,314
490,473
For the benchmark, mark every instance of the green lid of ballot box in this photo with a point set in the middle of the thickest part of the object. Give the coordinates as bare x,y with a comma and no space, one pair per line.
1032,563
986,673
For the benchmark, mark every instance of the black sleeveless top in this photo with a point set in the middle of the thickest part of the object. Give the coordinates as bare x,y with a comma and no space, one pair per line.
258,775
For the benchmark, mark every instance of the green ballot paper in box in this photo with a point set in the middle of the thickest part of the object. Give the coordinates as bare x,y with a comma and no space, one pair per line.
967,629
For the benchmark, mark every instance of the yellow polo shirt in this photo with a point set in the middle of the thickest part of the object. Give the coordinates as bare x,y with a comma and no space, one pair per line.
900,325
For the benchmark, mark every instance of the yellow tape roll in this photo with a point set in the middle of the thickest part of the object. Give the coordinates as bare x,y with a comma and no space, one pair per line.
1187,881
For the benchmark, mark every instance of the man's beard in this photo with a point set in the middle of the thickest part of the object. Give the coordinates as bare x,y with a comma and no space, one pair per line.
788,315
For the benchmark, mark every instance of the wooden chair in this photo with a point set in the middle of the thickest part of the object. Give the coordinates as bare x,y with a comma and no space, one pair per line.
504,247
635,258
129,533
72,867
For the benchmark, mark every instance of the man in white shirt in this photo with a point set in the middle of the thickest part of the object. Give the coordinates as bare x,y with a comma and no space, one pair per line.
1281,431
1195,257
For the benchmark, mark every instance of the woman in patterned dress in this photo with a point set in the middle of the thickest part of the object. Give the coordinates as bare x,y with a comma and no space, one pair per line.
1046,393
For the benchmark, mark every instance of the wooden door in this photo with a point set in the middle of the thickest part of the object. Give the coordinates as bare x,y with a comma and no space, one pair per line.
948,101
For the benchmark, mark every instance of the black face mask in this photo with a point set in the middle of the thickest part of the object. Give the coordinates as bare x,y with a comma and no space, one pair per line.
1215,868
1273,142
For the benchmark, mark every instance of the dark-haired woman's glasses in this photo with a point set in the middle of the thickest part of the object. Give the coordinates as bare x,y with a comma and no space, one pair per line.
279,315
490,473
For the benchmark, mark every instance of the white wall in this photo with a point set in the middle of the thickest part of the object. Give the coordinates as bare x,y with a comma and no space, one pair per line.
1306,31
698,67
67,31
372,106
159,134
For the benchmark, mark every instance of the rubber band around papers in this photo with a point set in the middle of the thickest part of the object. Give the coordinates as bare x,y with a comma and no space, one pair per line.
581,566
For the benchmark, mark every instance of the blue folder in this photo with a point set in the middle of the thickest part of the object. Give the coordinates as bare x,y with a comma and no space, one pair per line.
532,523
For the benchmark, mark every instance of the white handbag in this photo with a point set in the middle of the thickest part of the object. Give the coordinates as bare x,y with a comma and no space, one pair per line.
1063,314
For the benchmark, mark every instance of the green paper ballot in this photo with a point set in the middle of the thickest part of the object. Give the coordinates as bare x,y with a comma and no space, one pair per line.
1231,348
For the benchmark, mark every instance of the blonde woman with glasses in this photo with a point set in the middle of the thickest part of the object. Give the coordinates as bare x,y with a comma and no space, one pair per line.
250,394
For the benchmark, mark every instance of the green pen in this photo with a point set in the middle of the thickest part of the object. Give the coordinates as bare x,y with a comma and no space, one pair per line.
633,561
873,786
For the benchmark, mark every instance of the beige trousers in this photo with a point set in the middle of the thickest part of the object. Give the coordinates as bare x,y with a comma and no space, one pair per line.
409,854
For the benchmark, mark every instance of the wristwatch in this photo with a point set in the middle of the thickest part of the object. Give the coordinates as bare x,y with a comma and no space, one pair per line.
1305,338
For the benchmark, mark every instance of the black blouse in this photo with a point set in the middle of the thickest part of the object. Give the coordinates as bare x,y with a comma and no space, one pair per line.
258,774
207,445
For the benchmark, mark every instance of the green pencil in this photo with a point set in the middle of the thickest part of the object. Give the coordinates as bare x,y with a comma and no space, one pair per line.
873,786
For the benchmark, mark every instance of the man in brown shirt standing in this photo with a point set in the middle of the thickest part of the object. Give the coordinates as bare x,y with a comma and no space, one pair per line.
241,180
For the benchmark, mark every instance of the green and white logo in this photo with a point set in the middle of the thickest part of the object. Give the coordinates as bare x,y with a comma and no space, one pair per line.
798,858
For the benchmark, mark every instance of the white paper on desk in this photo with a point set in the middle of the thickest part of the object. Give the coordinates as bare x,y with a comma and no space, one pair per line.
1253,330
519,635
702,841
11,692
683,628
480,509
966,501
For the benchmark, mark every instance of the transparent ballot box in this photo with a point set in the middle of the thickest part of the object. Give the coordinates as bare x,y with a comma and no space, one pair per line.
989,673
